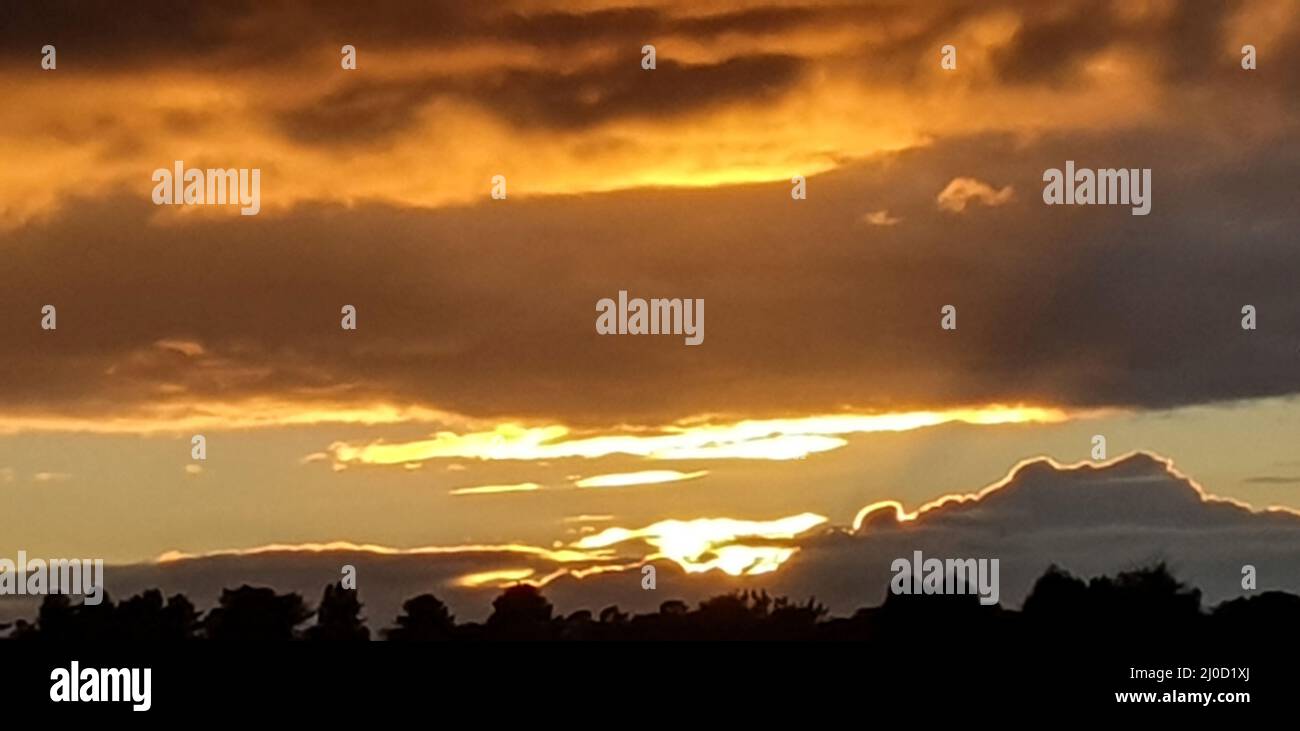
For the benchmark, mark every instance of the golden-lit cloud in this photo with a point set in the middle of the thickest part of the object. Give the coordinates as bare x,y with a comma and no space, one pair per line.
892,508
250,413
496,489
611,170
574,114
643,477
880,218
961,191
184,347
496,578
762,439
584,518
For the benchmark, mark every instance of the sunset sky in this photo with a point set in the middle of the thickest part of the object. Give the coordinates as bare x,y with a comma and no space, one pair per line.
476,405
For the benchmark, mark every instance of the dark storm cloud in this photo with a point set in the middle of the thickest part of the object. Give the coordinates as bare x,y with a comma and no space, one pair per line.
1189,44
106,35
368,112
131,33
362,113
529,99
900,46
1056,39
1053,40
113,37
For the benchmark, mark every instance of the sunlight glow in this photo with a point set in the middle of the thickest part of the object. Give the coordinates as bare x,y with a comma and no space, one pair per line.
712,543
499,578
644,477
770,439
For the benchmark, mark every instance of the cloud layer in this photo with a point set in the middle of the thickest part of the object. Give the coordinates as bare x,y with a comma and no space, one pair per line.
672,182
1091,519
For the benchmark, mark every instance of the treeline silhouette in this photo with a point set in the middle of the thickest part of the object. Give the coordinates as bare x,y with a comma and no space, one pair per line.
1147,605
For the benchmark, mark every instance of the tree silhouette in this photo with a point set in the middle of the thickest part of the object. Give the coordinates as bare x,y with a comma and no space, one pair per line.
789,621
59,619
56,619
674,608
613,615
521,613
1146,607
1269,614
1056,596
423,619
339,617
580,626
145,618
255,614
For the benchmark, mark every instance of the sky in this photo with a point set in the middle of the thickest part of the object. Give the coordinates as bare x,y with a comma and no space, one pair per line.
476,404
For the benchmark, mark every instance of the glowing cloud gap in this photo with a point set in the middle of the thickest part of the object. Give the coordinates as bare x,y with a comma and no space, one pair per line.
711,543
772,439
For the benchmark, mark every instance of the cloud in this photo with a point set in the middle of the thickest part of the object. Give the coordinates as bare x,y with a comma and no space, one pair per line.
496,489
880,218
551,93
614,192
644,477
498,578
1273,480
762,439
371,113
274,357
184,347
961,191
1090,519
51,476
557,556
